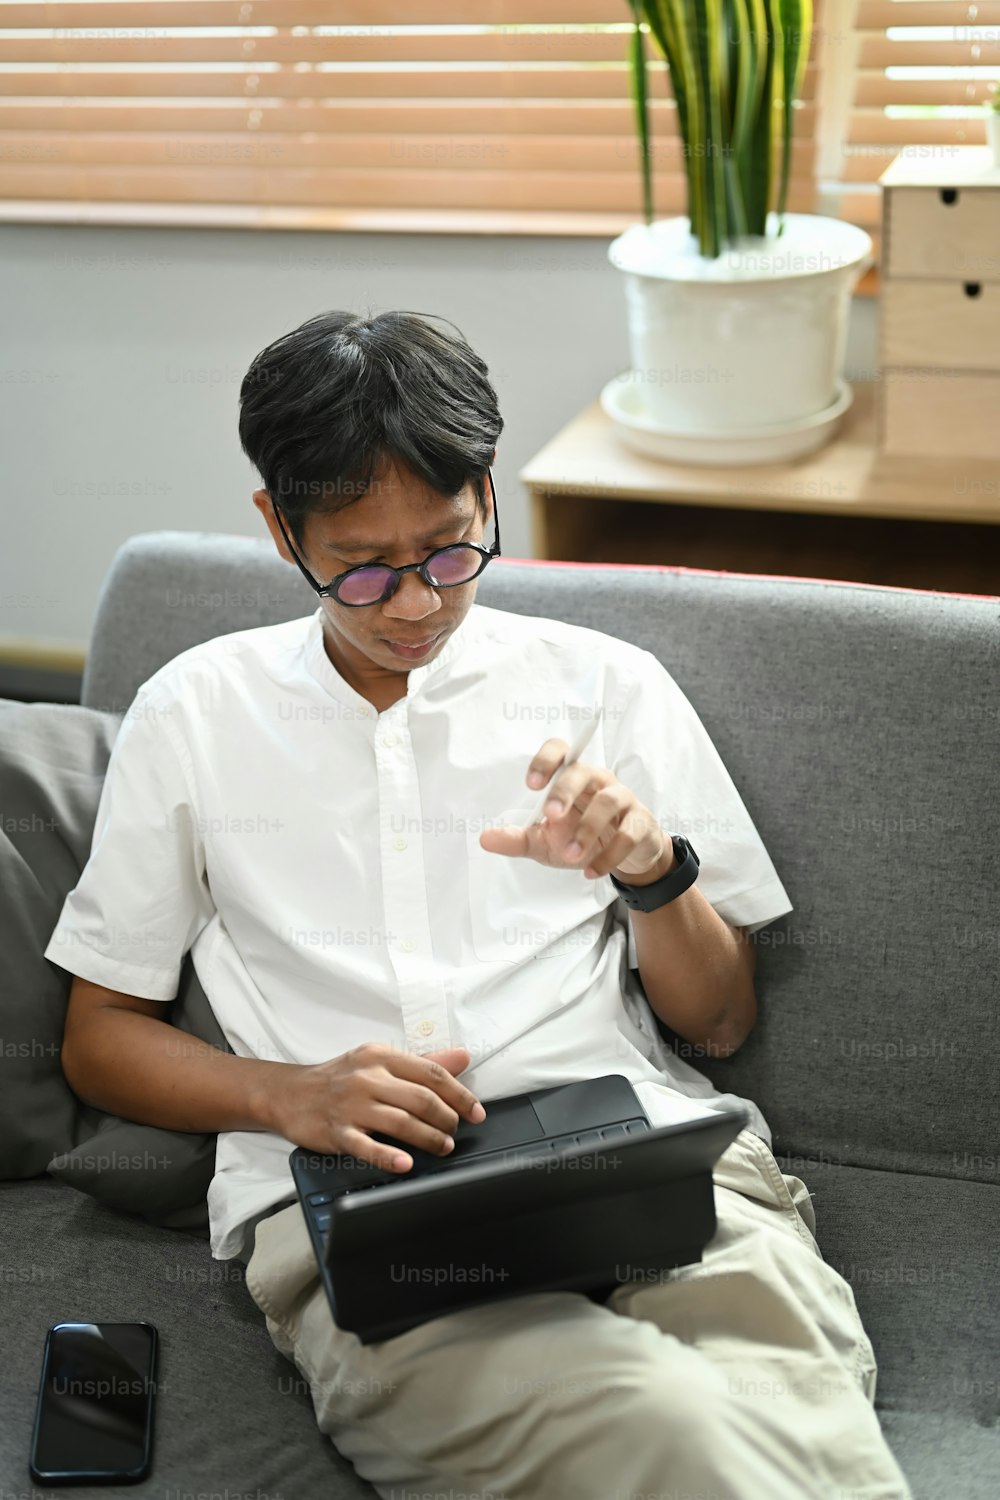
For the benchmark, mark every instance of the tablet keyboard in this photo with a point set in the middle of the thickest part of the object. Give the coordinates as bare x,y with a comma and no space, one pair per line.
319,1202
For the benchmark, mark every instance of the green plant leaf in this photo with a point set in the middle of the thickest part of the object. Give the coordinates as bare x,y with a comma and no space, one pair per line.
709,146
668,25
761,168
794,22
735,69
738,128
750,105
637,58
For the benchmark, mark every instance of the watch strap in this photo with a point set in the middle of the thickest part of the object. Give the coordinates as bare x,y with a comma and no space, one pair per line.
660,892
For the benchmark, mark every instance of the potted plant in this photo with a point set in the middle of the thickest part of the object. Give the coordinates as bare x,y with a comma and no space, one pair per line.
993,123
738,310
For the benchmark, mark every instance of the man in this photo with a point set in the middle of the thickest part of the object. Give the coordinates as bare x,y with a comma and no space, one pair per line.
333,814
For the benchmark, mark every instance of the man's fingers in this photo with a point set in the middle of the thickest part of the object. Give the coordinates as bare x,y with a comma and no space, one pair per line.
434,1071
450,1058
602,859
577,784
598,830
551,754
416,1125
514,842
359,1145
606,815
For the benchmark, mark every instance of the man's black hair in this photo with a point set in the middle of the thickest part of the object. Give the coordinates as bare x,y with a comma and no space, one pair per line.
325,409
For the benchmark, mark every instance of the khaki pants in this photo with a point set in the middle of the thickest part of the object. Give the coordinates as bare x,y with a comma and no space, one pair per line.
746,1376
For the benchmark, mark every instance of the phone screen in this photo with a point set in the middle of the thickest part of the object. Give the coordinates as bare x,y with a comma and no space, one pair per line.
95,1404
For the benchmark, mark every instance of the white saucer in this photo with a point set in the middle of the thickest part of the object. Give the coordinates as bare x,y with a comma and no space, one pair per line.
622,401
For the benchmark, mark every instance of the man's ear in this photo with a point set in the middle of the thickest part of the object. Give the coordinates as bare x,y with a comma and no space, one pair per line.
262,501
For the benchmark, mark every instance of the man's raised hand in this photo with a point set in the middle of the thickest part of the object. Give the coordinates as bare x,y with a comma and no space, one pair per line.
591,822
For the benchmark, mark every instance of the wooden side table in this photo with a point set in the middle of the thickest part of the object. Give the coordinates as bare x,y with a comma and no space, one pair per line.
847,511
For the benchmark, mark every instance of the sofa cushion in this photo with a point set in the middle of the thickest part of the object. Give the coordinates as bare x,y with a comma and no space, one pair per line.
53,759
233,1417
920,1256
52,765
919,1253
943,1454
163,1175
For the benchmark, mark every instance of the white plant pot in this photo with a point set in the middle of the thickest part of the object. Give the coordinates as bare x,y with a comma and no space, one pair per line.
752,339
993,134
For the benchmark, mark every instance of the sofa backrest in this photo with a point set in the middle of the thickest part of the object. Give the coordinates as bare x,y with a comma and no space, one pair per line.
860,726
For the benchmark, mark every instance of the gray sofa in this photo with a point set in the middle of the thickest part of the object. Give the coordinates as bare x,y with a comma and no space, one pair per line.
860,725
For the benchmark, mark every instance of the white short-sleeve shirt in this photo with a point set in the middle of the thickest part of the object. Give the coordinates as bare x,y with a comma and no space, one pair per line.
322,862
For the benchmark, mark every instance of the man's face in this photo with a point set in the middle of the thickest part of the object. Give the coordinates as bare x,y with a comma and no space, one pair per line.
400,520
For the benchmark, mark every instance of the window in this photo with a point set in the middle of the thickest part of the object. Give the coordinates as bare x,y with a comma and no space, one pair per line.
502,115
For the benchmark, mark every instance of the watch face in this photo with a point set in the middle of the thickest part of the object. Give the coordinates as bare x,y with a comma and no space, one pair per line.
684,848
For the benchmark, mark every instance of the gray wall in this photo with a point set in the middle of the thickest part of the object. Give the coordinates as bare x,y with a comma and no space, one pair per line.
122,351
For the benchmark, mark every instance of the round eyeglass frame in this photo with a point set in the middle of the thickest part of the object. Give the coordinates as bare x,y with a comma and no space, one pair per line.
331,590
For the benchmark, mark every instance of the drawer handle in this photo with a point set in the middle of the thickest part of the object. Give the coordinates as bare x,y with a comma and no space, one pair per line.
949,196
972,288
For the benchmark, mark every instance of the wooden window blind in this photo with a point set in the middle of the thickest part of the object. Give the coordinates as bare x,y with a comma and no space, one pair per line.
504,115
922,72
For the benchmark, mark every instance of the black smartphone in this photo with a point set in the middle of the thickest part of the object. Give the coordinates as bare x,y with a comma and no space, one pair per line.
94,1418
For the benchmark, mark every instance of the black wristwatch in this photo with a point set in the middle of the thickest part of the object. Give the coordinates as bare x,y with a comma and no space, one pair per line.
673,884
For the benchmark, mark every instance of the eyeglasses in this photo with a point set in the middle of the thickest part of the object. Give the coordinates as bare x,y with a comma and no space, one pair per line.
373,583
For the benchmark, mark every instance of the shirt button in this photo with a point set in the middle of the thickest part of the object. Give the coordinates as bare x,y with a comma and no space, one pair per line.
425,1028
400,843
389,740
407,945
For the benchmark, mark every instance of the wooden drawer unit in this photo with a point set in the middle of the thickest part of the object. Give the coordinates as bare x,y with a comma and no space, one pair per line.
953,325
946,413
942,232
940,306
